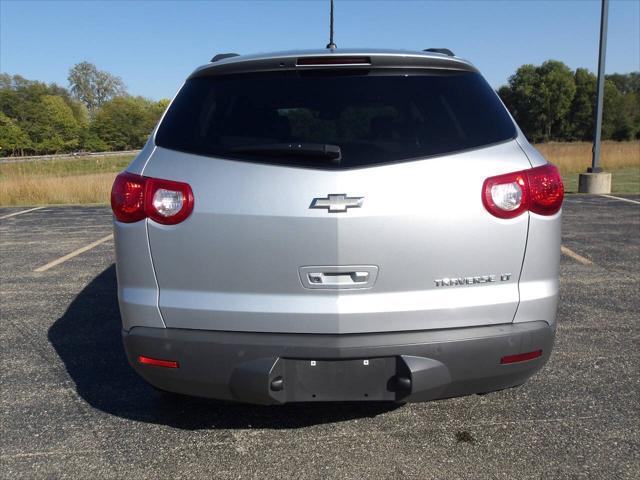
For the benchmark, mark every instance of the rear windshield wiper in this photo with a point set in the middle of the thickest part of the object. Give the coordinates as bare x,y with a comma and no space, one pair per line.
307,150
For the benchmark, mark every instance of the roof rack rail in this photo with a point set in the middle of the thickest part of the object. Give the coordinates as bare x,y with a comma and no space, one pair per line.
222,56
445,51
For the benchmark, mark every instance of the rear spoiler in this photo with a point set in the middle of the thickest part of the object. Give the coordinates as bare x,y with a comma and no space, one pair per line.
330,61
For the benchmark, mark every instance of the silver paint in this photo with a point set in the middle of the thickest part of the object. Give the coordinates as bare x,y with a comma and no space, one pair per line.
235,264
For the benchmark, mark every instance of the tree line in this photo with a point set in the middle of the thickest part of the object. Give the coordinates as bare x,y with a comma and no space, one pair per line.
550,102
94,114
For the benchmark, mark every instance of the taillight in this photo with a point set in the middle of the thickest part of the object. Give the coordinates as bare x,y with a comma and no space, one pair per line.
506,196
168,202
134,198
539,190
127,197
546,190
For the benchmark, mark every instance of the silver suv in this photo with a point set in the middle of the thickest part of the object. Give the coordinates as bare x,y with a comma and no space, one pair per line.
337,225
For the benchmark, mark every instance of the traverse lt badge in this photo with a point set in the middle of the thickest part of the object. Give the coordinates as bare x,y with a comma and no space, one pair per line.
456,281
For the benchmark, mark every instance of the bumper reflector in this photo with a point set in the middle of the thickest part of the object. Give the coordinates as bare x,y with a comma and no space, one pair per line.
157,362
521,357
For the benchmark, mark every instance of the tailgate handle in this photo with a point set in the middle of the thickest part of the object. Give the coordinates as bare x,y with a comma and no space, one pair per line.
337,278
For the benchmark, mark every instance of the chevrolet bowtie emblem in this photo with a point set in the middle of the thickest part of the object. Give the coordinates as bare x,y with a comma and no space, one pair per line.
337,202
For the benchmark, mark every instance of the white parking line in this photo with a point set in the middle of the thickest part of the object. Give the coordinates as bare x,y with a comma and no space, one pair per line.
621,199
20,212
75,253
577,257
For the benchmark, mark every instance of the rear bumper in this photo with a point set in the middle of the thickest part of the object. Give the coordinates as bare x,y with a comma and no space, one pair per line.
411,366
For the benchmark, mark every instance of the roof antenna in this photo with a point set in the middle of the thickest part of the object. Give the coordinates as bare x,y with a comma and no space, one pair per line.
331,45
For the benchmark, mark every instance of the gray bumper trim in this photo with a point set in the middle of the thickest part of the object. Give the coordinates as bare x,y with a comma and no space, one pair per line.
242,365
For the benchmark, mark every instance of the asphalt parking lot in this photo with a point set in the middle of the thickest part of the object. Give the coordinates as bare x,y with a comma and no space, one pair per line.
72,408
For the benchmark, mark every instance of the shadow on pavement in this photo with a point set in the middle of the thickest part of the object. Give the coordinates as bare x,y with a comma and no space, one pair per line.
88,340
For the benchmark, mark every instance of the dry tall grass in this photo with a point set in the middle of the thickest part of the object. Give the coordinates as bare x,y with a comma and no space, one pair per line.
65,180
576,156
89,181
35,190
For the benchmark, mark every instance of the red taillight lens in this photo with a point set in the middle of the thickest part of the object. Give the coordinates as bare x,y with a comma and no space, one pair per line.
546,189
156,362
521,357
127,197
134,197
539,190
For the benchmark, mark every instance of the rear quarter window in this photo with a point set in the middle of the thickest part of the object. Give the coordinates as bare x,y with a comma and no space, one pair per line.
374,117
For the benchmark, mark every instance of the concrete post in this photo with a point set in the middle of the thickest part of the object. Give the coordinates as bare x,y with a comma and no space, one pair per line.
594,182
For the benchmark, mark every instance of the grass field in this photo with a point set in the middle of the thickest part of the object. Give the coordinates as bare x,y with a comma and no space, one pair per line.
78,180
620,158
624,180
89,179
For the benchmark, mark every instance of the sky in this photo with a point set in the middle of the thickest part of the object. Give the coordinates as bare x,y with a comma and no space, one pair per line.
153,46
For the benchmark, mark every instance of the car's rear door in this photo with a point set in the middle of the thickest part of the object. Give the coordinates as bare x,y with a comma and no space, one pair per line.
419,251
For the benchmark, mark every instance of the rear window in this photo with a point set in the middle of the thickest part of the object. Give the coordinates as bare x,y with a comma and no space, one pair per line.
372,118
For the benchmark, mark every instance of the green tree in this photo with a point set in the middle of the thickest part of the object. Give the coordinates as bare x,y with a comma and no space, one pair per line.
94,87
53,127
581,115
627,119
556,89
16,91
625,82
13,140
632,106
540,99
31,106
126,122
158,108
616,120
519,97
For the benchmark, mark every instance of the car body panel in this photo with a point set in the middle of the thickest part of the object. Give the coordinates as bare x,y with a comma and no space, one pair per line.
137,286
539,281
233,265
